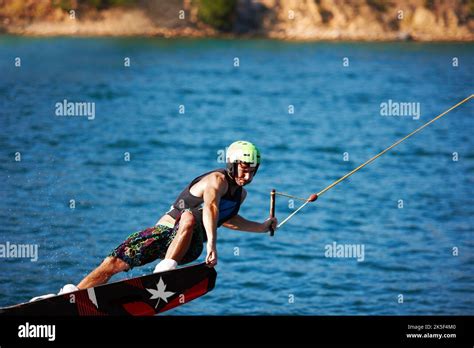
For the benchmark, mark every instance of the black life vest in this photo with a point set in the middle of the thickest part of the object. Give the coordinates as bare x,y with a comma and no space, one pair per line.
229,204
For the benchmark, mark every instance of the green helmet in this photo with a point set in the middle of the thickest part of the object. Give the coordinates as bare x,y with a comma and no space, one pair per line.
241,151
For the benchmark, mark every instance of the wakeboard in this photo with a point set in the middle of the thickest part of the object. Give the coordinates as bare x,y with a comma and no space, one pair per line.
141,296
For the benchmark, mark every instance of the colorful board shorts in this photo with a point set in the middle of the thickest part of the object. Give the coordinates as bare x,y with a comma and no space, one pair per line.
148,245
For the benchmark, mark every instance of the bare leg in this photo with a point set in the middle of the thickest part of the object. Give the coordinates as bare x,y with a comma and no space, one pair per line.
180,244
113,265
101,275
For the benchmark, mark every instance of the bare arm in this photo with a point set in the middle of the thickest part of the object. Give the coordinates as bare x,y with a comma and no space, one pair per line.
215,188
239,223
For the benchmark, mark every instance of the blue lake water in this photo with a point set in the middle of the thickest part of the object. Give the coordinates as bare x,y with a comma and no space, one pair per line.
407,251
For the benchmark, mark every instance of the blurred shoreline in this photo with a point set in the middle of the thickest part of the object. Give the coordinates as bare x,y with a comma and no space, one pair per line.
302,20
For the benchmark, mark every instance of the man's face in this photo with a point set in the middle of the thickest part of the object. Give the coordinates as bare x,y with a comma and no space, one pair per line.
245,173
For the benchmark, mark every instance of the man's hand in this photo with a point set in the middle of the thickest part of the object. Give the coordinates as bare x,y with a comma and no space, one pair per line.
273,222
211,258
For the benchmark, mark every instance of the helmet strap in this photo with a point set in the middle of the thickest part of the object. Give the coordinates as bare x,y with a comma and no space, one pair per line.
235,170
